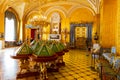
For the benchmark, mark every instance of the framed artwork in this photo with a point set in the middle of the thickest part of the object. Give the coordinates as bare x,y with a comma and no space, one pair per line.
54,37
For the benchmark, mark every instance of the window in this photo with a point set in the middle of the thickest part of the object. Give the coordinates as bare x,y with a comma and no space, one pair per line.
10,26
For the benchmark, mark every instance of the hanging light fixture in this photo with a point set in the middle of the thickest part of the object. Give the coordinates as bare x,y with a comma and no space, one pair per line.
39,20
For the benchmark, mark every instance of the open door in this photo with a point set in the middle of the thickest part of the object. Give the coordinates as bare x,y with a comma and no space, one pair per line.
33,34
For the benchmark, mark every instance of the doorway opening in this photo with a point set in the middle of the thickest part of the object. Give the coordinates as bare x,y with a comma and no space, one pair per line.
80,37
79,33
33,32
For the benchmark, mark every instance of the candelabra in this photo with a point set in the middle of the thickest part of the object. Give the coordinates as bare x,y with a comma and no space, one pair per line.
65,32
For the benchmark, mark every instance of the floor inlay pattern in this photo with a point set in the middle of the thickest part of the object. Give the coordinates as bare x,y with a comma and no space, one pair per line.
77,67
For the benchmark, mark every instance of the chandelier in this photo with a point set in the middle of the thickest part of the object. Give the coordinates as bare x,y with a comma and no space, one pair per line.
39,20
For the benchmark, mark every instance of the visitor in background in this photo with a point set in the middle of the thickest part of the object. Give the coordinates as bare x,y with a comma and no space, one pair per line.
88,45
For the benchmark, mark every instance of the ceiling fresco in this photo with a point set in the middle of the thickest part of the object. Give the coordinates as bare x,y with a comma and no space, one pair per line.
27,7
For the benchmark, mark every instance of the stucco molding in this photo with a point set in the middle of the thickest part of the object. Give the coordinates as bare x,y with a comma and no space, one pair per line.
56,8
73,8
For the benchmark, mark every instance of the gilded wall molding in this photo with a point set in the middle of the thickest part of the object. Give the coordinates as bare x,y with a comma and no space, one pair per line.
58,8
73,8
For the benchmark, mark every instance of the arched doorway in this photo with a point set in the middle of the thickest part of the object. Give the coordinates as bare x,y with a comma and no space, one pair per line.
73,26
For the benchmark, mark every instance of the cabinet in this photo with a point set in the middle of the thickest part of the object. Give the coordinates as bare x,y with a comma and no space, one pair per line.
81,42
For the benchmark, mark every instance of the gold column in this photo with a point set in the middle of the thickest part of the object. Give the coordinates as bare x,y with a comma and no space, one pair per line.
108,23
1,22
68,29
20,30
65,26
96,27
118,28
24,30
2,28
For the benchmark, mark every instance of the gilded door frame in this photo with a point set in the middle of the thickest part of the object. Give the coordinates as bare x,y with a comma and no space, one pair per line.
72,31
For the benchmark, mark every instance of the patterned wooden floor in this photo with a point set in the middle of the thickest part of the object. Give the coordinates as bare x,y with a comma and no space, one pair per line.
77,67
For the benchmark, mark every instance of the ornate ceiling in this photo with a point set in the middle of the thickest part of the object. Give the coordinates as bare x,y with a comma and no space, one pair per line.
24,8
